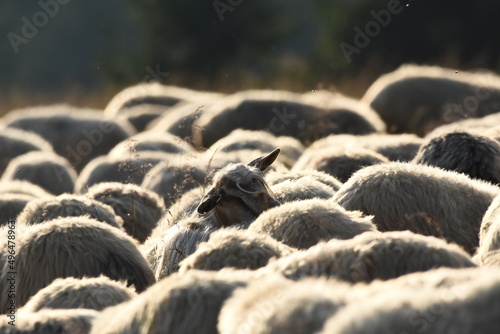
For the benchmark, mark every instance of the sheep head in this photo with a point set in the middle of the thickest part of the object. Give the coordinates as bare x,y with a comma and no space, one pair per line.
239,192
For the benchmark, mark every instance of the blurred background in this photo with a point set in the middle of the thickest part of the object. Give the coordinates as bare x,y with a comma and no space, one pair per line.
84,52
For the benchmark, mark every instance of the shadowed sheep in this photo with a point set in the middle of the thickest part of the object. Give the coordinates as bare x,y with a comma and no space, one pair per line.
371,255
74,247
23,188
276,177
263,141
11,205
280,307
422,199
75,321
139,208
172,178
178,304
395,147
468,308
239,249
419,98
14,142
279,112
95,293
341,163
77,134
123,169
41,210
47,170
303,224
464,152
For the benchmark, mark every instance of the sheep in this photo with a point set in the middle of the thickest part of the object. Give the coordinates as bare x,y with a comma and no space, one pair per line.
306,187
239,139
239,249
181,304
279,112
23,188
41,210
74,247
150,141
490,216
465,152
419,98
185,206
140,209
14,142
75,321
94,293
485,125
79,135
280,306
122,169
153,94
49,171
276,177
173,178
303,224
489,243
140,116
11,205
395,147
212,159
371,255
338,162
419,198
470,308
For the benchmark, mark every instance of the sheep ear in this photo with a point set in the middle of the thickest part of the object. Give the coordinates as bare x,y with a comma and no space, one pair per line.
265,161
209,201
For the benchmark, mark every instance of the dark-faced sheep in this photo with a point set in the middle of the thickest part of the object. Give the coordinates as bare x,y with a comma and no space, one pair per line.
68,205
181,304
130,169
419,98
339,162
464,152
74,247
95,293
49,171
74,321
14,142
303,224
422,199
140,209
279,112
239,249
79,135
372,255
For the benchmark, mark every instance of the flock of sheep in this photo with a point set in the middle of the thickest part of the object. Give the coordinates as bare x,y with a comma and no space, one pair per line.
179,211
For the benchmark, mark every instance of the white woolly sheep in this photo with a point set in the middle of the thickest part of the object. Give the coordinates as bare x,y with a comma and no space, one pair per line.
79,135
181,304
125,170
171,179
23,188
41,210
467,308
153,94
73,247
422,199
464,152
303,188
280,307
279,112
487,125
489,243
490,216
74,321
303,224
338,162
140,209
420,98
239,249
14,142
94,293
372,255
47,170
278,176
395,147
185,206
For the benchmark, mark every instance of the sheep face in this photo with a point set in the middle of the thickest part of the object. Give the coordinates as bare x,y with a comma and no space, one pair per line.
239,192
